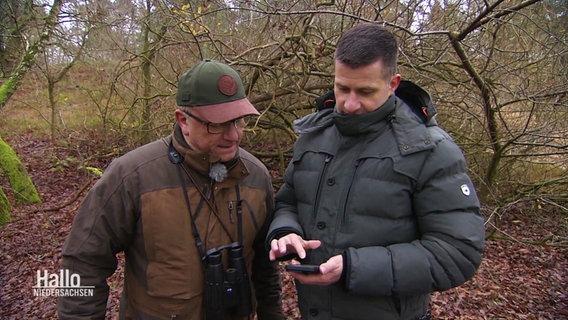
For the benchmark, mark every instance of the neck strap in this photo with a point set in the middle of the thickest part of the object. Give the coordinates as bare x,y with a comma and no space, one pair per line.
177,159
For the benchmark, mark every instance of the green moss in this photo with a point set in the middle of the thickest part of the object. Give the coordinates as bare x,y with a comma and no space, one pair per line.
6,89
20,181
5,208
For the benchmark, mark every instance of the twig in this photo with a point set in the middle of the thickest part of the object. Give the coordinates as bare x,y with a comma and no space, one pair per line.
70,201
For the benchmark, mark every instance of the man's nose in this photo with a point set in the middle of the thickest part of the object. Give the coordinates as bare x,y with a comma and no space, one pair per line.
232,133
352,103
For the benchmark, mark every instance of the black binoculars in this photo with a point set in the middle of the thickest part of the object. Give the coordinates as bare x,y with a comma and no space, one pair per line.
227,292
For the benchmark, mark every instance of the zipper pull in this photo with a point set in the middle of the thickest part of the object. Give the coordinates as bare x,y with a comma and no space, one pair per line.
231,212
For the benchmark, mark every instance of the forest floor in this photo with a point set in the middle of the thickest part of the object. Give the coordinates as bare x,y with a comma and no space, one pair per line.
521,277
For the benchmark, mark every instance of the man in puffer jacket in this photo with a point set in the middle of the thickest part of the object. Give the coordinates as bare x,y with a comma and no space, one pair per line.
376,195
189,211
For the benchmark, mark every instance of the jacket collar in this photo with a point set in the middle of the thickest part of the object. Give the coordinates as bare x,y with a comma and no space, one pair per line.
347,124
314,121
354,124
202,162
410,131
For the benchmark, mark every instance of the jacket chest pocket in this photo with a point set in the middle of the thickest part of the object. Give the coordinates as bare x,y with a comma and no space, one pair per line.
309,181
379,201
174,267
376,191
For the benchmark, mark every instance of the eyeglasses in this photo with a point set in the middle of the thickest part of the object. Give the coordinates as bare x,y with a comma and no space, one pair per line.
217,128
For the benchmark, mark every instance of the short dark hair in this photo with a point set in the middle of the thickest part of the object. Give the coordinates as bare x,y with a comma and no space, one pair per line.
367,43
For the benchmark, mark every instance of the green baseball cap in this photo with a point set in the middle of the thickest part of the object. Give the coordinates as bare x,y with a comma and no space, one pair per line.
216,89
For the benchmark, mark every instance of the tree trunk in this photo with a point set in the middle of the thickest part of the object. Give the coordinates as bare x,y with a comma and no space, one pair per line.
149,48
10,86
20,181
10,164
5,208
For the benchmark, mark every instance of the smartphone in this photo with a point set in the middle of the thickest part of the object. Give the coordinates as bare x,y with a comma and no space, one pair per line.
303,268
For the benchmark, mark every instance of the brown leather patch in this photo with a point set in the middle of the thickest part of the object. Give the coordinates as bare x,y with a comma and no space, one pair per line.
227,85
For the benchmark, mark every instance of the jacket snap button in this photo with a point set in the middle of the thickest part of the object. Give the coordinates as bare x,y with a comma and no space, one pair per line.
330,181
314,312
321,225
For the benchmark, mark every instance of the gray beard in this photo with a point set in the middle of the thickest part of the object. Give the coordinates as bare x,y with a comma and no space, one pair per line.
218,172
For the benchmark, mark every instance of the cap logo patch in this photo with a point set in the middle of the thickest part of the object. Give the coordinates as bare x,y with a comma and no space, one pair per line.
227,85
465,189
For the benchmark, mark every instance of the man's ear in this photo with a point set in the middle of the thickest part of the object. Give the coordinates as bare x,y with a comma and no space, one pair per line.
394,82
182,120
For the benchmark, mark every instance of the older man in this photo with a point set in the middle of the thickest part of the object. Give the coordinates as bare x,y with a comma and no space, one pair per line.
190,212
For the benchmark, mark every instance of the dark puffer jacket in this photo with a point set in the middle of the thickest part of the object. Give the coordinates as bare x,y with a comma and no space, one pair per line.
390,191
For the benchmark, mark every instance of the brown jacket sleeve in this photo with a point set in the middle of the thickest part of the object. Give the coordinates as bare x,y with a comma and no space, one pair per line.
265,273
102,227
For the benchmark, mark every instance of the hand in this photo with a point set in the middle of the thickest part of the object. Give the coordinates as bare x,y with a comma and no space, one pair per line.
330,272
291,243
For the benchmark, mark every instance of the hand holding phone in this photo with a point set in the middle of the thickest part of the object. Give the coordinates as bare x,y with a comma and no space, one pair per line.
303,268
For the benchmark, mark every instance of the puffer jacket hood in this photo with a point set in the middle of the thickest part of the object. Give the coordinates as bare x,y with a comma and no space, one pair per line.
412,94
418,107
